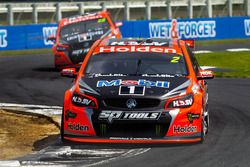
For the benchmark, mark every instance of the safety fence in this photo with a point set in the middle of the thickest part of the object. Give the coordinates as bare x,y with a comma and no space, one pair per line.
35,36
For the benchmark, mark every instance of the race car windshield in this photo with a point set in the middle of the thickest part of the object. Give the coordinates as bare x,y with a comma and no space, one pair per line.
136,64
84,30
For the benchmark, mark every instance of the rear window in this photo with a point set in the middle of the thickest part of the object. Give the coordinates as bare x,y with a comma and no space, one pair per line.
136,63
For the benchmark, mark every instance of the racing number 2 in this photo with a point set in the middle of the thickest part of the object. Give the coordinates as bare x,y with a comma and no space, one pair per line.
175,59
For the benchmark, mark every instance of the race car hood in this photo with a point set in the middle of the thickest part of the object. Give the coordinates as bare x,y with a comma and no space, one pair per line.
80,44
117,86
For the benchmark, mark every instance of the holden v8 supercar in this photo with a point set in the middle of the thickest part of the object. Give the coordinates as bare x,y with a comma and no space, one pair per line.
137,91
75,36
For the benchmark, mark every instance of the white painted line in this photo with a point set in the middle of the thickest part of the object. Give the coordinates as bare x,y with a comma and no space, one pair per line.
207,67
28,105
9,163
238,50
30,108
202,51
130,153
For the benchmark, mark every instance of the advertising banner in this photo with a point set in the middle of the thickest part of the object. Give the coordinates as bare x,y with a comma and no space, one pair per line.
35,36
198,29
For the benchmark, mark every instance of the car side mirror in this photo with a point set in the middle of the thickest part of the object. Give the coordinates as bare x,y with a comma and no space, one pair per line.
118,24
51,38
69,72
205,74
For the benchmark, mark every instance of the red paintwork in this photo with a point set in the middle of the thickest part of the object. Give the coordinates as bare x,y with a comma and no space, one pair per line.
60,59
180,120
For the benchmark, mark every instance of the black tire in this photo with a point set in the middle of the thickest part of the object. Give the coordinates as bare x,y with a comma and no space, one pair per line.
204,126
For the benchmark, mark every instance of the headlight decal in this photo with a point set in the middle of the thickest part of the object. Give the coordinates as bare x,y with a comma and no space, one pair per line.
83,100
181,102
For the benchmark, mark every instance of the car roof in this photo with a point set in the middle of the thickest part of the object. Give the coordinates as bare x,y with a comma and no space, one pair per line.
83,17
160,45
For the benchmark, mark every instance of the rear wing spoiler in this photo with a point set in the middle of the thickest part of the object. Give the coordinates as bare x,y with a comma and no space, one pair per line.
190,43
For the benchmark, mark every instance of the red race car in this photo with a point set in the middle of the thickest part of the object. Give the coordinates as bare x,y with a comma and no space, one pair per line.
137,91
75,36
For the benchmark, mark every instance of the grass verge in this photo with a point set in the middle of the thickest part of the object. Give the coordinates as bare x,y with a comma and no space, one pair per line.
26,52
239,62
222,42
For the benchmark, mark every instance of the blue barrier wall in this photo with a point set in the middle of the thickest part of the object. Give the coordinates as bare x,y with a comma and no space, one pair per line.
34,36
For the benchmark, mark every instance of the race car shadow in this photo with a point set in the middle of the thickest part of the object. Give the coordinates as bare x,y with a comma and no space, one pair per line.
122,145
46,69
45,142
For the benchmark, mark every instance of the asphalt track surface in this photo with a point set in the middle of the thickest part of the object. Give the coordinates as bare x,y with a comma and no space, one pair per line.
33,80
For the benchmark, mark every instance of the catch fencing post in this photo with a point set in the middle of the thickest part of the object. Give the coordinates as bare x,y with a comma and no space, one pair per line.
190,9
58,12
104,7
80,8
126,11
230,7
169,9
10,15
34,13
209,9
148,10
247,6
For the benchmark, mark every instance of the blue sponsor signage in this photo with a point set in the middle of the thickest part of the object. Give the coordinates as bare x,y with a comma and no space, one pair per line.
141,82
26,36
35,36
198,29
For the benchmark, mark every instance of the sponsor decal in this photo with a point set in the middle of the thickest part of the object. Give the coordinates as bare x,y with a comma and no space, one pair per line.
183,29
134,49
122,115
80,51
71,38
129,138
76,19
3,38
158,75
183,102
48,31
70,114
140,82
191,117
109,75
81,100
185,129
247,27
103,20
84,37
78,127
206,73
143,43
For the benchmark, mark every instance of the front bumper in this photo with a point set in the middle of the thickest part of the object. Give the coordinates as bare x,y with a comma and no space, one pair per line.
184,139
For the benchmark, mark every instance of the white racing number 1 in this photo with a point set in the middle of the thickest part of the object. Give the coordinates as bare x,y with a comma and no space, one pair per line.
131,89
